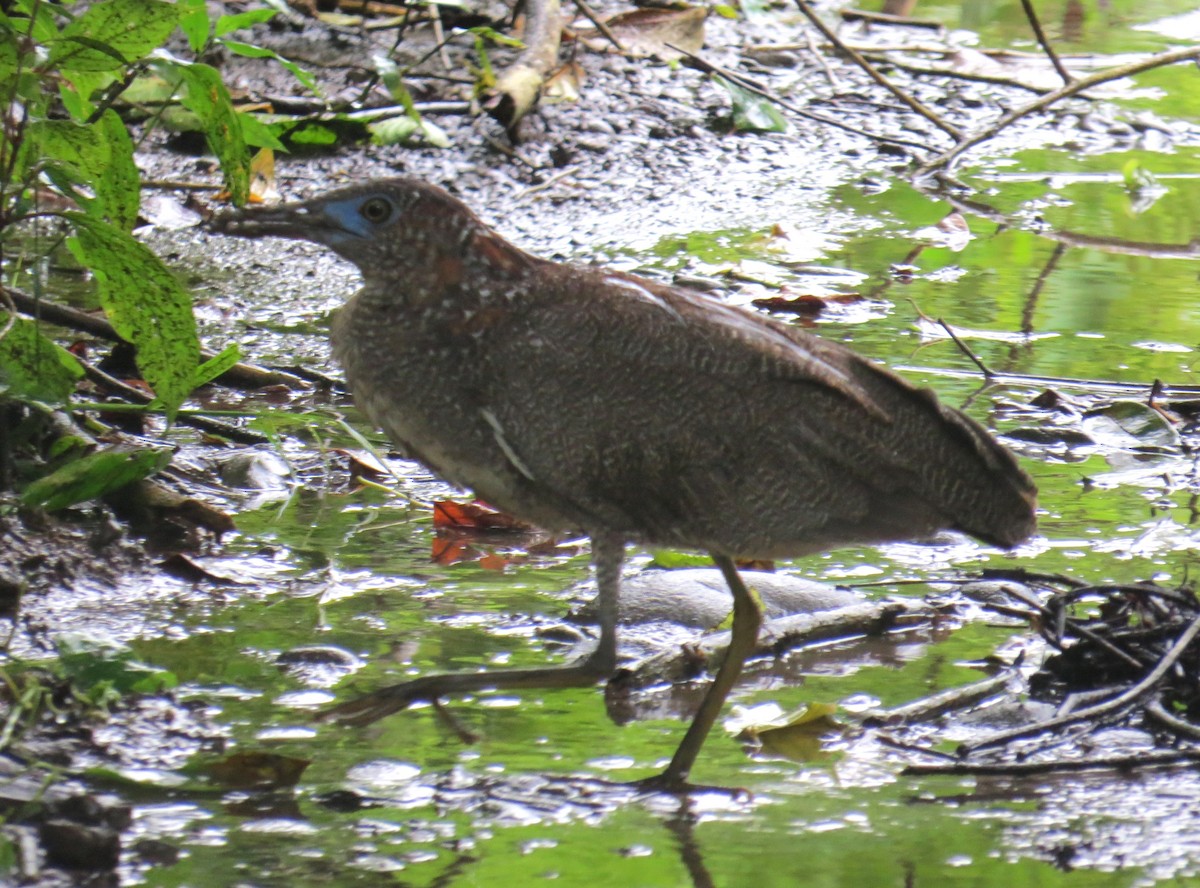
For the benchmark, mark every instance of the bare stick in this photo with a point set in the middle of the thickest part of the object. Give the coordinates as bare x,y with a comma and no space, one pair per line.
750,86
243,375
874,74
591,16
1130,695
1153,759
1044,42
883,18
962,346
1073,88
203,423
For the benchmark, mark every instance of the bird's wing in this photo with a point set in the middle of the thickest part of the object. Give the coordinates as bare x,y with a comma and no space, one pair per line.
638,404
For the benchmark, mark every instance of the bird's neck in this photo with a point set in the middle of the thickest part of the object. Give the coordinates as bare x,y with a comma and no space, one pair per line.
447,271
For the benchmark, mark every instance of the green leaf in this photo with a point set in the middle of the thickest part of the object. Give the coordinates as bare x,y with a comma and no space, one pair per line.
113,33
257,133
434,135
1138,177
251,51
146,305
673,558
120,185
216,365
486,33
207,97
310,133
751,112
93,476
227,24
99,155
194,23
8,55
389,73
44,30
394,130
33,367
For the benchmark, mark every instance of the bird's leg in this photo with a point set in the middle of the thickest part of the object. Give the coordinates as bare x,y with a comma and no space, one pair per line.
607,554
747,618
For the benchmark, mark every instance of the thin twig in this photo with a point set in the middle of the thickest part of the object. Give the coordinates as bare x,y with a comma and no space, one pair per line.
591,16
972,77
203,423
750,86
948,128
1044,42
1073,88
883,18
240,374
439,36
1108,763
1165,663
450,720
546,185
9,307
962,346
811,41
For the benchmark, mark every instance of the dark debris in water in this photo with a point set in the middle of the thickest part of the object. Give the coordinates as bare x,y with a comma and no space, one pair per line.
1117,685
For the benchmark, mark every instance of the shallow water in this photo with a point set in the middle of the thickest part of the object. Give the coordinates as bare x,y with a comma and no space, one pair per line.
353,571
1080,282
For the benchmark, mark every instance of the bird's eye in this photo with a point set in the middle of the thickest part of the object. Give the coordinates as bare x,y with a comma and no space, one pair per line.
376,210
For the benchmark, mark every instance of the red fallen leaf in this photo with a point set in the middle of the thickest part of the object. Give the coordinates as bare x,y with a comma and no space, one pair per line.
474,516
495,561
446,551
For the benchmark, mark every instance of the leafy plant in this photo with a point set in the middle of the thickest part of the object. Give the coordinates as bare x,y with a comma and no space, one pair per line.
67,176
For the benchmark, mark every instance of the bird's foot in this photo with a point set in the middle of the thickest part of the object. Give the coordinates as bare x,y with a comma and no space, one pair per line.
376,705
668,784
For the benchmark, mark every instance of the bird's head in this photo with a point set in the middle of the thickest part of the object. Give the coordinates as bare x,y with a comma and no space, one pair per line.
379,224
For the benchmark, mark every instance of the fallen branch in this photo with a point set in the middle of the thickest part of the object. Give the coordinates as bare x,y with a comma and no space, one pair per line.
518,89
242,375
777,637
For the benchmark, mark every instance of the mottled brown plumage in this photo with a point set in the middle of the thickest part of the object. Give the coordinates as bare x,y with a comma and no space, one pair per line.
582,398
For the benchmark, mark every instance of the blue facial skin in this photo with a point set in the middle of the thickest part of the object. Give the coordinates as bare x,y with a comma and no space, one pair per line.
342,223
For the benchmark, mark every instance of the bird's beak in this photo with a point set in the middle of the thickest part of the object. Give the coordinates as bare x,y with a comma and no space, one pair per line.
310,221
